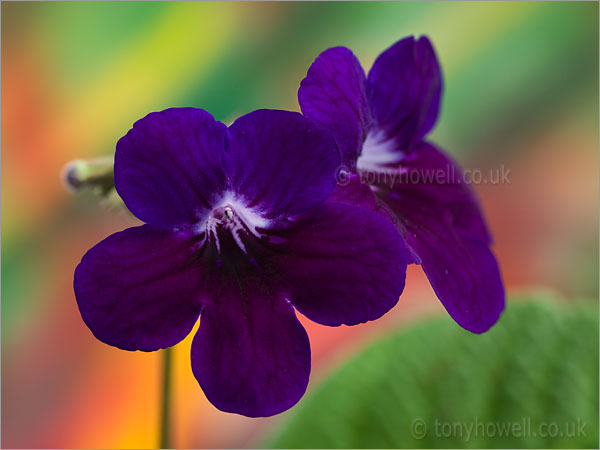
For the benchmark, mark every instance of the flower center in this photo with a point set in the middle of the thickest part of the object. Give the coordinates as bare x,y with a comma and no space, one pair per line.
231,226
377,152
226,229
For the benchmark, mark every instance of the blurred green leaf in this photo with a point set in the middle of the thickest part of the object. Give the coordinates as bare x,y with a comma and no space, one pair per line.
531,381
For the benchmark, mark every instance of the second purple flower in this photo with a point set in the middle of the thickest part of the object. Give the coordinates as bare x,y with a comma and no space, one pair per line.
380,123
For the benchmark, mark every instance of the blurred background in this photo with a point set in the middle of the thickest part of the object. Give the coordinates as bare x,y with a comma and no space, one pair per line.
521,91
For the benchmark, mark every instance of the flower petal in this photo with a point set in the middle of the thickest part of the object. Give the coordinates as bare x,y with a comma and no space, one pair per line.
168,167
342,265
280,162
356,191
464,275
138,289
428,186
250,355
404,90
445,228
333,94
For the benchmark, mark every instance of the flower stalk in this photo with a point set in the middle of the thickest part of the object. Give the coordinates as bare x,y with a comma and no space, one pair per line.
165,410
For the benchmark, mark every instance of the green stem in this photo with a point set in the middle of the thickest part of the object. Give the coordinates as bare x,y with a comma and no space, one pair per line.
165,422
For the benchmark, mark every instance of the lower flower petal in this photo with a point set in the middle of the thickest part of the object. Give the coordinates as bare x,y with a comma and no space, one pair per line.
464,275
343,265
430,187
444,227
138,289
250,355
356,191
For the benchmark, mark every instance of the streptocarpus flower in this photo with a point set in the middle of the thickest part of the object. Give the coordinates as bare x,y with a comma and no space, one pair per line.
380,123
242,226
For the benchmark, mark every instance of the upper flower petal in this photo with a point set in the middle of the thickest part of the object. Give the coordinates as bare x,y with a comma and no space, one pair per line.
343,265
138,289
168,167
444,227
404,89
333,94
250,355
280,163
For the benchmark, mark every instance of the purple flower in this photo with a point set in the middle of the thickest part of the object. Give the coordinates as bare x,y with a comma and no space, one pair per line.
380,123
242,226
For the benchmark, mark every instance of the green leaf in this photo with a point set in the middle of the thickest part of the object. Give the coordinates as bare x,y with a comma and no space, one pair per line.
531,381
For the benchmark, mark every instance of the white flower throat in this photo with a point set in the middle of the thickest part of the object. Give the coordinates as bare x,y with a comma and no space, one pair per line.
223,220
230,216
